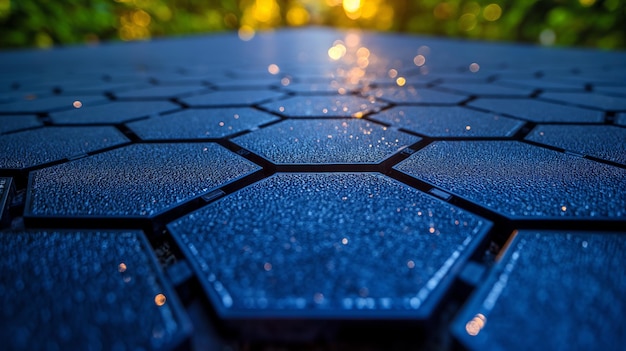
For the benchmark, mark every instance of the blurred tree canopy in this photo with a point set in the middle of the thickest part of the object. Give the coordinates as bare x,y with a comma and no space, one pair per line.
42,23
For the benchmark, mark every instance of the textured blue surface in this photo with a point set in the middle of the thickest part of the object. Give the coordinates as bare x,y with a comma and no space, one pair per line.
305,219
201,123
326,141
33,103
13,123
449,121
113,112
416,95
335,244
156,177
591,100
539,111
84,290
556,274
485,89
605,142
520,180
231,97
38,146
324,106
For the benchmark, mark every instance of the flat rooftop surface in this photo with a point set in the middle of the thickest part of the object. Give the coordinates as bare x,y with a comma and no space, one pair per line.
312,189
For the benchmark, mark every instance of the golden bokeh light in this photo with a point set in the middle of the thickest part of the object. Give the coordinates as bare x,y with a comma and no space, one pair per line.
477,323
159,300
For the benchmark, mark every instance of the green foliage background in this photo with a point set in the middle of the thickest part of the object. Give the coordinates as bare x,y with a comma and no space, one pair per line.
42,23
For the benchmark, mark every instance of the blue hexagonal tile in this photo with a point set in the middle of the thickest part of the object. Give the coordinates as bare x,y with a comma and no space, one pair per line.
520,180
337,246
150,179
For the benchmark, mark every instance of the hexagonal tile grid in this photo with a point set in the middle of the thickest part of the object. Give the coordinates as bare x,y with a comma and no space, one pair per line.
349,245
520,180
201,123
300,221
156,177
346,141
585,286
114,112
539,111
49,144
449,121
94,288
601,141
239,97
324,106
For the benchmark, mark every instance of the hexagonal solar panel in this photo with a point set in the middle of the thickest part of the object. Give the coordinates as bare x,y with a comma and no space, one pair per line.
154,178
448,121
325,141
201,123
521,181
66,290
329,245
44,145
113,113
34,104
601,141
324,106
239,97
416,95
13,123
539,111
572,282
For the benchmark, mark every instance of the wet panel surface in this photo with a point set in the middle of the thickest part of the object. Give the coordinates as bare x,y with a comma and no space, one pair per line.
605,142
201,123
338,244
153,178
570,281
539,111
449,121
521,180
324,106
80,290
39,146
326,142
